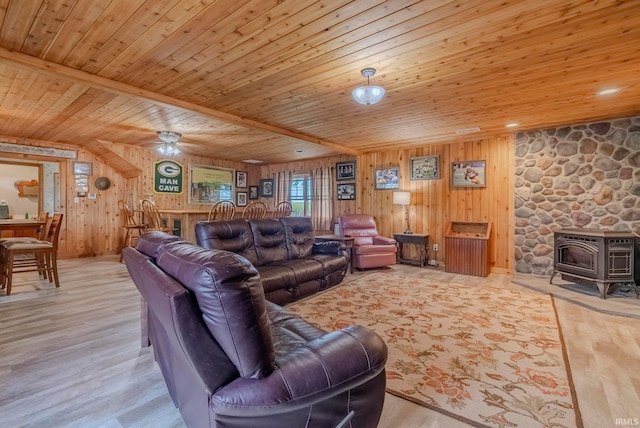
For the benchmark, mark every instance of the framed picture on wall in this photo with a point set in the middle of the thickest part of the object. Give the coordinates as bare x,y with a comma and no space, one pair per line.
253,192
425,167
345,171
346,192
241,199
241,179
266,188
469,174
82,168
387,178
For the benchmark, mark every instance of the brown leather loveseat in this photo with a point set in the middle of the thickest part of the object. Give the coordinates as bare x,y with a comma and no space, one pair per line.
232,359
290,263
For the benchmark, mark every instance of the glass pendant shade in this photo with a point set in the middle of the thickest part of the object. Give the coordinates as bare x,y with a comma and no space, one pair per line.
168,149
368,94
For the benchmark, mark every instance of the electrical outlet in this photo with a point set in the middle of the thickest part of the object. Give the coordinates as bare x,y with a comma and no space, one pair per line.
435,247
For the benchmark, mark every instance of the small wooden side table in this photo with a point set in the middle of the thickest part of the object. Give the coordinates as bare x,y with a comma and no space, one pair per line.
348,242
421,240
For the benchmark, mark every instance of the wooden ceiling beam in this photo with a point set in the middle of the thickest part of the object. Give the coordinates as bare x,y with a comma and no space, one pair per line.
42,66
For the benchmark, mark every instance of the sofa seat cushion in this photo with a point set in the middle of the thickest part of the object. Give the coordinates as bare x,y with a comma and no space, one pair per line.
305,270
331,263
276,277
230,295
375,249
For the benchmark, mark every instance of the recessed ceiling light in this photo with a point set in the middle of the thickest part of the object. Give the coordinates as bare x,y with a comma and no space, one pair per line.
512,125
252,161
299,151
608,91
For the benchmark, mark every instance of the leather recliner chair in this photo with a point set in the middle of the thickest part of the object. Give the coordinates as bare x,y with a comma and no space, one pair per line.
232,359
369,248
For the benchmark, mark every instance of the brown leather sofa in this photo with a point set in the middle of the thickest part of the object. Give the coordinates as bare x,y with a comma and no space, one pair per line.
370,249
230,358
291,264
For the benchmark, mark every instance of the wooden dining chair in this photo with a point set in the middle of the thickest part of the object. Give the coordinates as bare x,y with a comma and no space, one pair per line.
152,216
132,229
282,209
223,210
255,210
36,256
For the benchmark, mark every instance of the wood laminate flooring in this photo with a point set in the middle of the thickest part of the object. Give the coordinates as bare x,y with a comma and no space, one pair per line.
71,357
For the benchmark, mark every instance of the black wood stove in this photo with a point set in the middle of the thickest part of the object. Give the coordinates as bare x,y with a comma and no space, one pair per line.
600,257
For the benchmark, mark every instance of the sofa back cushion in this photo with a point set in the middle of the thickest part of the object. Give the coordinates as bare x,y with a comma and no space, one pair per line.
299,236
230,295
233,235
148,243
269,240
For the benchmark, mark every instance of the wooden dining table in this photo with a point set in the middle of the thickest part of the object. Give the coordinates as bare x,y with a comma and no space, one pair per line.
20,226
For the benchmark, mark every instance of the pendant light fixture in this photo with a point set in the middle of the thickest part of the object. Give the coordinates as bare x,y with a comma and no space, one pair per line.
368,94
169,143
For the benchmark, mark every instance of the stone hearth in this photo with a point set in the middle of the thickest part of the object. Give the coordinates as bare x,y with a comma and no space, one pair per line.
585,176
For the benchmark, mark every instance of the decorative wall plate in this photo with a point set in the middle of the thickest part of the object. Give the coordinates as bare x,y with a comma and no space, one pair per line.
102,183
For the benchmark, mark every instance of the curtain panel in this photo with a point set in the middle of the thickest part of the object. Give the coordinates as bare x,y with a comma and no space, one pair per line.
322,198
282,186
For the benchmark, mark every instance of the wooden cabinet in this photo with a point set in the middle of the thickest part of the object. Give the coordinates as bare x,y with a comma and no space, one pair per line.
466,248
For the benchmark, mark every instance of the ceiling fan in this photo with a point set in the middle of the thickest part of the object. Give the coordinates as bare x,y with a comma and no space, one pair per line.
169,146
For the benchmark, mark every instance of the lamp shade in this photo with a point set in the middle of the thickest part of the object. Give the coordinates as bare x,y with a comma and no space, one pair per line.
402,198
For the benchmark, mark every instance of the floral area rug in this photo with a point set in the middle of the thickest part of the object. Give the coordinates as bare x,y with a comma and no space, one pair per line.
490,357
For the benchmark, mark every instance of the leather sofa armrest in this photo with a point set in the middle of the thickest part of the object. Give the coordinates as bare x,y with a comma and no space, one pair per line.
323,367
328,247
383,240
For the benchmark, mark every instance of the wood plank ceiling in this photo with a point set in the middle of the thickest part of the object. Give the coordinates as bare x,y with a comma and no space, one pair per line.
272,79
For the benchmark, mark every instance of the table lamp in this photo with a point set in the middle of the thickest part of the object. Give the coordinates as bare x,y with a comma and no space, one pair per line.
404,199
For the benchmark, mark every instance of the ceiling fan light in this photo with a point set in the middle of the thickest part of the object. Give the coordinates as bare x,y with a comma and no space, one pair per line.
169,137
169,143
168,149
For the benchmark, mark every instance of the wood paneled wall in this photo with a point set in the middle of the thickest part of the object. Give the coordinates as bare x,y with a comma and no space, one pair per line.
434,204
92,226
339,207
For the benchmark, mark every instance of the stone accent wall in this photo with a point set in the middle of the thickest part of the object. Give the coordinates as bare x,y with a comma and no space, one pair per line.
585,176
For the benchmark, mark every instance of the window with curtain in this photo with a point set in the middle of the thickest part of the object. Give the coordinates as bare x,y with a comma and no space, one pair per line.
300,194
310,195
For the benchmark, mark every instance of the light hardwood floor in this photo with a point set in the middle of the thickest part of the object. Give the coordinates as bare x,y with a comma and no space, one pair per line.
71,357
